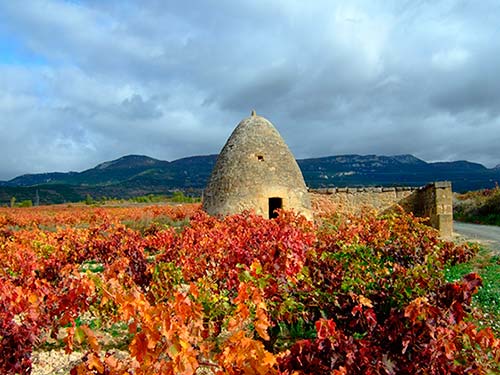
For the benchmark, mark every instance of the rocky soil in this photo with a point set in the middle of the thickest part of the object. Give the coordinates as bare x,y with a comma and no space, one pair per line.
57,362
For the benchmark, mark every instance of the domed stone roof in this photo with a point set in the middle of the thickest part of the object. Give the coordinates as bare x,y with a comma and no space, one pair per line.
256,171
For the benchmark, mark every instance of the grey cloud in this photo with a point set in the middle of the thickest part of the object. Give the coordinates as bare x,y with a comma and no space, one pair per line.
263,90
476,88
172,79
137,108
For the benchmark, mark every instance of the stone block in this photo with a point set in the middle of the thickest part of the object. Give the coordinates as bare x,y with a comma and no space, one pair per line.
442,185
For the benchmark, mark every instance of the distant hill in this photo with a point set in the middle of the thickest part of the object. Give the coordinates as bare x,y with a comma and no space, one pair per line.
398,170
134,175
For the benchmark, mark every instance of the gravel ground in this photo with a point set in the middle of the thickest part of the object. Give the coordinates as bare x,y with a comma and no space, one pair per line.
54,362
57,362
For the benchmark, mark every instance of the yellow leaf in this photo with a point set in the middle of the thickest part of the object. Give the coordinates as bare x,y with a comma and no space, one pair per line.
33,298
79,335
184,344
365,301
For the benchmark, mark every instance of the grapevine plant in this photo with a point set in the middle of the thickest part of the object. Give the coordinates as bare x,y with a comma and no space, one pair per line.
236,295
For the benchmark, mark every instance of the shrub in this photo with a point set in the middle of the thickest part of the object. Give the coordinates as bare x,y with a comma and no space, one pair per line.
239,294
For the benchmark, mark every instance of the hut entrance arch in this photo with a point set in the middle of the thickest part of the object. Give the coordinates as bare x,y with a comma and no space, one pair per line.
274,204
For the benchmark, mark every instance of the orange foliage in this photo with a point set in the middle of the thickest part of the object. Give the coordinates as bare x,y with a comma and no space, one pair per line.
235,295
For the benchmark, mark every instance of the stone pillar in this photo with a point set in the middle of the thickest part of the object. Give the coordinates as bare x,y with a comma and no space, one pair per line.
442,217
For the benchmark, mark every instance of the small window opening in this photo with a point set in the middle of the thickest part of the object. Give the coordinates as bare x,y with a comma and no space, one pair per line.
260,157
274,204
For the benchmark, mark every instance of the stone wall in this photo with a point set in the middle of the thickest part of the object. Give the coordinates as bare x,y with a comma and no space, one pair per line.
433,201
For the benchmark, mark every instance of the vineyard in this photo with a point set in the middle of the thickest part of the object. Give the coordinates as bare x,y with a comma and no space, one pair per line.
185,293
480,206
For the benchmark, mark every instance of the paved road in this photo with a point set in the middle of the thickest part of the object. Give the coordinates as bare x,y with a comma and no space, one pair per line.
486,234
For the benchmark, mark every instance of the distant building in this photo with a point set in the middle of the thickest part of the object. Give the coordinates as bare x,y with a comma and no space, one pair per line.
256,171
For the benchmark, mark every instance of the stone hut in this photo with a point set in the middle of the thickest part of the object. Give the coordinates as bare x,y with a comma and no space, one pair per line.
256,171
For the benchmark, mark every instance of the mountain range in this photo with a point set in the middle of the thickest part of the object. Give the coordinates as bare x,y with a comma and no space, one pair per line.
135,175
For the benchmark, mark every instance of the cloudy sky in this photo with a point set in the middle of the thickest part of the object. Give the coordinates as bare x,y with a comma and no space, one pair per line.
82,82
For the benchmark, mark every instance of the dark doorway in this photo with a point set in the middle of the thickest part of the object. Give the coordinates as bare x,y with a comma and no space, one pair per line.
274,203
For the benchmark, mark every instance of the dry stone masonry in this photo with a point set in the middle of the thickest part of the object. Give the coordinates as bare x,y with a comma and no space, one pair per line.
256,171
433,201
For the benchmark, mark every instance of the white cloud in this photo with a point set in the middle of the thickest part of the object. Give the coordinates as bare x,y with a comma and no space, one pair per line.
450,59
172,79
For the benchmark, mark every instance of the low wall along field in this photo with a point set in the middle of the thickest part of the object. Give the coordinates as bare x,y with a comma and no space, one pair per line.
433,201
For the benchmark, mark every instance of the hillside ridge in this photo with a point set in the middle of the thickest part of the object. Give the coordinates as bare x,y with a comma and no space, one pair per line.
133,175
